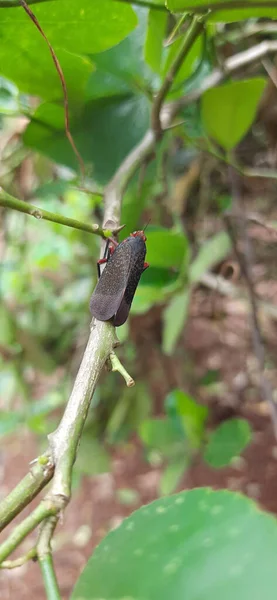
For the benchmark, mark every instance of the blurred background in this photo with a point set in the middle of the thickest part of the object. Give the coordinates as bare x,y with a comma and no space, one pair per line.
195,416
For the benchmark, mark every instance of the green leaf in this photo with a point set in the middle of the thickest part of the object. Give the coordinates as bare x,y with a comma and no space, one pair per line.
73,28
162,435
172,474
193,416
229,110
104,134
156,29
227,441
122,69
227,16
196,545
174,318
166,248
212,252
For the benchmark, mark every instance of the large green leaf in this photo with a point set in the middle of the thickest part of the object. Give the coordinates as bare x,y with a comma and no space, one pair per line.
166,248
229,110
156,30
73,28
104,134
122,68
196,545
227,441
228,15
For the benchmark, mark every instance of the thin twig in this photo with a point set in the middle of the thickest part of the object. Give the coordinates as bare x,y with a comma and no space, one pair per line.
28,488
44,554
117,366
245,261
59,70
194,30
18,562
9,201
42,511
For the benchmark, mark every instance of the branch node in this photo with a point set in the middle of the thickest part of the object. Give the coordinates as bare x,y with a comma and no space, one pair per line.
117,366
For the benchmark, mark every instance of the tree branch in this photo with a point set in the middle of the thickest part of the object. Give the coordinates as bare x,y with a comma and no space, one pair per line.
26,490
9,201
44,554
42,511
194,30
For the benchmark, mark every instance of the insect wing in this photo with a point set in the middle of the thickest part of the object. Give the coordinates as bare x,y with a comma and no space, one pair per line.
107,296
135,271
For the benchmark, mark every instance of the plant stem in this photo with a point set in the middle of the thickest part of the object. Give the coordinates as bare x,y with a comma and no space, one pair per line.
9,201
64,441
44,554
26,490
49,578
191,35
118,366
18,562
43,510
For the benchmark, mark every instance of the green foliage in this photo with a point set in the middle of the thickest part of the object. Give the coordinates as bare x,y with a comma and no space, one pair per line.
226,442
156,30
213,251
74,30
199,544
229,110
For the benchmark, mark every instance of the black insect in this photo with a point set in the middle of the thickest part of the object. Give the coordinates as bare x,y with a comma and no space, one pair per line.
114,292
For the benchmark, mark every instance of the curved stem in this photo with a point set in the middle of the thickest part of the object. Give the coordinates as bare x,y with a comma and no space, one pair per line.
43,510
9,201
191,35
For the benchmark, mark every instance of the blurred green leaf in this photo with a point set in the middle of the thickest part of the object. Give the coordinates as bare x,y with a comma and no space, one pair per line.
211,252
156,29
73,29
174,318
104,133
172,475
226,442
122,69
196,545
193,416
229,110
162,435
166,248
